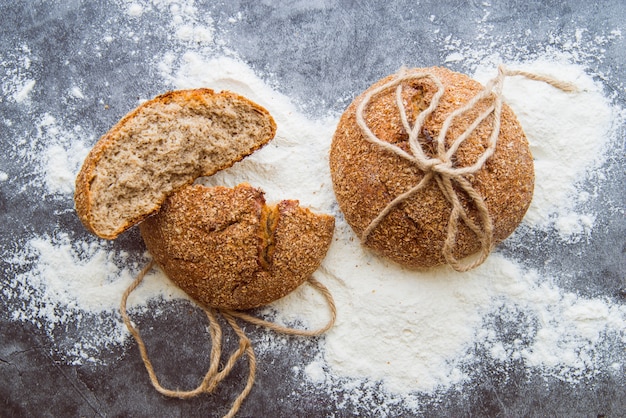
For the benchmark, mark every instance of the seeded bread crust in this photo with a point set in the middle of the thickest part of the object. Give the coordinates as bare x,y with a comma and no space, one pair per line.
227,249
367,178
161,146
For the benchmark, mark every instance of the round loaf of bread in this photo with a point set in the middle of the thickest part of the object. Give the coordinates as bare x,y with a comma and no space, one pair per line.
227,249
162,145
366,177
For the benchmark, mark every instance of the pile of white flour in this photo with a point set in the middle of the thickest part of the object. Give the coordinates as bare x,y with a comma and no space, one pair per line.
414,332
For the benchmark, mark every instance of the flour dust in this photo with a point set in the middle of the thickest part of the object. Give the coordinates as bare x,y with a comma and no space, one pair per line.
408,333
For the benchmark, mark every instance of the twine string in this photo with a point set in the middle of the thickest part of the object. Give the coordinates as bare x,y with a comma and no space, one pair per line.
323,290
214,375
440,167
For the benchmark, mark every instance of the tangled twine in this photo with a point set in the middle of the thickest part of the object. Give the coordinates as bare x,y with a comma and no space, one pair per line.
214,376
440,167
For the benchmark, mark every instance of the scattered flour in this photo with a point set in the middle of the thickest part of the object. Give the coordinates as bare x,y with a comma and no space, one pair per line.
135,10
83,275
77,93
568,136
454,57
188,26
416,331
58,152
315,372
412,332
78,285
23,91
17,80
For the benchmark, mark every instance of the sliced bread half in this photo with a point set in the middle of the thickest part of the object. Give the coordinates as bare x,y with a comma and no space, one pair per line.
161,146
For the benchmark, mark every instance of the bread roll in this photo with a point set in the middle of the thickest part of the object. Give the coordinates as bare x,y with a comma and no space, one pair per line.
366,177
227,249
162,145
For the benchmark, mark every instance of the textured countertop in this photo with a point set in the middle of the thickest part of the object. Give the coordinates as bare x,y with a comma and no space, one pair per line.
320,54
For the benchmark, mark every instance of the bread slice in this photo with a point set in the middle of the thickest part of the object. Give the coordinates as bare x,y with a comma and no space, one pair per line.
227,249
161,146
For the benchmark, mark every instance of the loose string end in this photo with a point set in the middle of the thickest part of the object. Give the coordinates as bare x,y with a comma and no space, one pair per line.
564,86
214,376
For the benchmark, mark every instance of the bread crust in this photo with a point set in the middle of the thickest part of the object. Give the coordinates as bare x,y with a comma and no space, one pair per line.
226,249
366,178
190,100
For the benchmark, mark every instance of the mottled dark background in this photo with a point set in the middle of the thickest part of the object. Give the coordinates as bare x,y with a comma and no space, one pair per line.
321,54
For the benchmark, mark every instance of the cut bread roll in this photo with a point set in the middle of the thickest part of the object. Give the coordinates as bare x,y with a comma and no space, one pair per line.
161,146
227,249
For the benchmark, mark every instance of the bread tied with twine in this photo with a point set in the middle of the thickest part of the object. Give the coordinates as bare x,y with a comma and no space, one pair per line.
214,375
451,179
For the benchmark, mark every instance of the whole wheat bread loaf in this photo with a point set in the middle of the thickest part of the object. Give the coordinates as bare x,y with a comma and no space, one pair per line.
366,177
161,146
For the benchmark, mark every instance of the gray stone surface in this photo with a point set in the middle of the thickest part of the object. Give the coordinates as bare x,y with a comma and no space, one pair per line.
322,54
